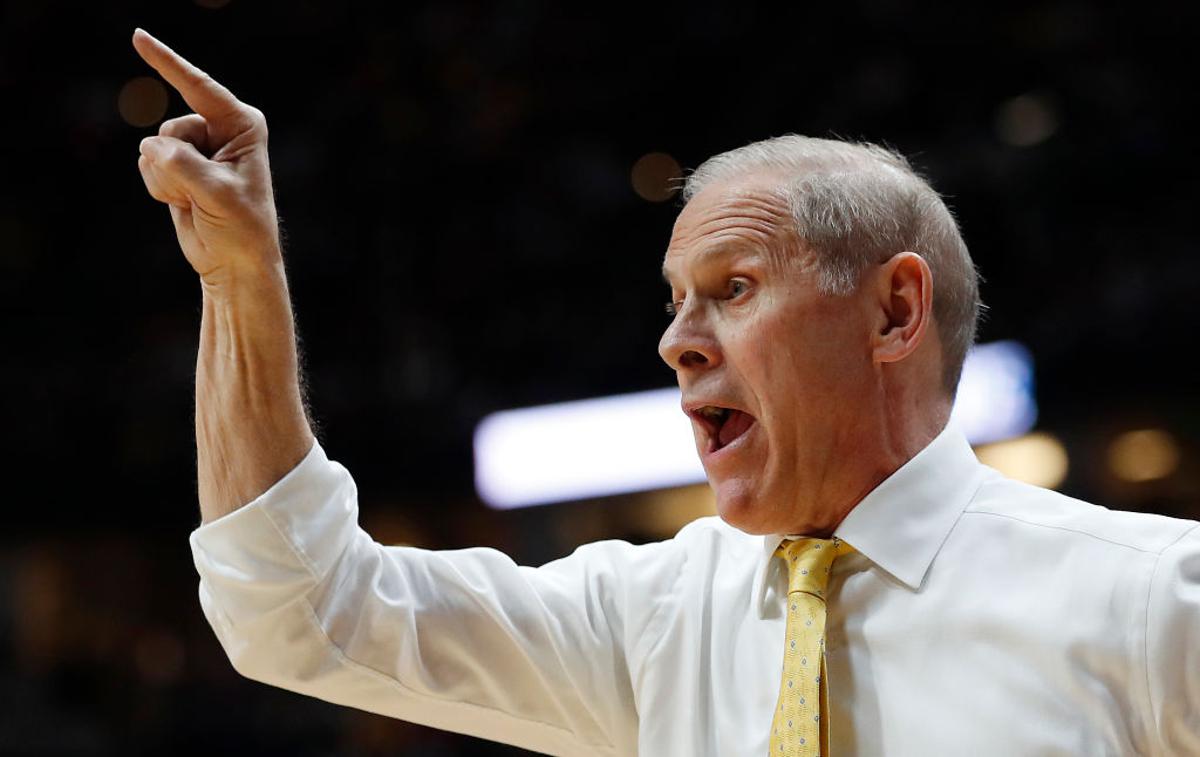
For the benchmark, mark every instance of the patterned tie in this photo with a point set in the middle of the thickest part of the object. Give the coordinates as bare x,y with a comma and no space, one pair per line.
797,729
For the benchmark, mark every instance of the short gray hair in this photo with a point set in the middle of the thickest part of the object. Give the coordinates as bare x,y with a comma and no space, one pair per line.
856,204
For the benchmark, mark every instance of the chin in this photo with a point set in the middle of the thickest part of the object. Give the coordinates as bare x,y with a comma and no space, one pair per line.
738,505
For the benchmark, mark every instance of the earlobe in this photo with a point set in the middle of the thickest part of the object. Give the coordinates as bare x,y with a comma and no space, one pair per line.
904,301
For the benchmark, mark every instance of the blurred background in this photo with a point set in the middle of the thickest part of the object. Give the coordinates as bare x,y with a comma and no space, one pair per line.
476,199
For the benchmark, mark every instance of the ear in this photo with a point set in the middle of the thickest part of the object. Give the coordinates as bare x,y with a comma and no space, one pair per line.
903,305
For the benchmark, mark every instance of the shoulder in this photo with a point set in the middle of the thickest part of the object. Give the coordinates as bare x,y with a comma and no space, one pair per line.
1036,508
698,548
705,537
713,535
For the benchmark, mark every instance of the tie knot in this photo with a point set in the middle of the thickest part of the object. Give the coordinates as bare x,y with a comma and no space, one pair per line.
810,561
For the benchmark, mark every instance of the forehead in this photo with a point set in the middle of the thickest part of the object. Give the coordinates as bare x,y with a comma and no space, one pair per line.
749,214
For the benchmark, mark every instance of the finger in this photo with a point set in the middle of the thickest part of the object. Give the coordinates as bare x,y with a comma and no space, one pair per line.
180,215
146,169
182,170
155,184
199,90
182,218
190,128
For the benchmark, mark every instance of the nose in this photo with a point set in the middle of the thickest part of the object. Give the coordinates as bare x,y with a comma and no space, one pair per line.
688,344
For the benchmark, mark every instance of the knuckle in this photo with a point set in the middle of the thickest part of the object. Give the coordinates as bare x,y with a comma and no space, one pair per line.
176,160
171,158
256,117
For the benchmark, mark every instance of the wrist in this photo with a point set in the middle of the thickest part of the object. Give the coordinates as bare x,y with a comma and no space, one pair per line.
247,276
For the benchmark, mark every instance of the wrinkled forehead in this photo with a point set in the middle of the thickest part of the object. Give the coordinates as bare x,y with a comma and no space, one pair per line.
751,212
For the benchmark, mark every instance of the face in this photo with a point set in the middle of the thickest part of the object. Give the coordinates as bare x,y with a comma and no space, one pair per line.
752,336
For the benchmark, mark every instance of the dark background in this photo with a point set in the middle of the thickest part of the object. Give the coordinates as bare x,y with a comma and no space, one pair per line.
462,236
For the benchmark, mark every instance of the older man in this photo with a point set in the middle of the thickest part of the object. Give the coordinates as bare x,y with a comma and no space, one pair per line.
868,588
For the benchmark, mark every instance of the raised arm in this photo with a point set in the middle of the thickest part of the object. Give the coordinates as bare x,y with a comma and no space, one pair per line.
210,167
298,594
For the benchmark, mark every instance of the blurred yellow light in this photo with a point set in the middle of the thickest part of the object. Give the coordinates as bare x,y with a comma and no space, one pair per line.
656,177
1143,455
1039,459
662,513
142,102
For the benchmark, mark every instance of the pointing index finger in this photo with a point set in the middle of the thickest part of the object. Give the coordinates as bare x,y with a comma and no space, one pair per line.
199,90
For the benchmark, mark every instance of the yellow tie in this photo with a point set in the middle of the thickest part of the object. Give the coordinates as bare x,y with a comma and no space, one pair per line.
797,729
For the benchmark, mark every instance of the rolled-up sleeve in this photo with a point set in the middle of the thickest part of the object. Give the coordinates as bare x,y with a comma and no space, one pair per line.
302,598
1173,645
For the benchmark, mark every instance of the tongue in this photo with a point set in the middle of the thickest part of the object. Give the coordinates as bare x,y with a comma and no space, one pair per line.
734,426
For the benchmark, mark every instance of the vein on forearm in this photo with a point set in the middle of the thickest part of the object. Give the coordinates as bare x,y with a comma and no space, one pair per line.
251,425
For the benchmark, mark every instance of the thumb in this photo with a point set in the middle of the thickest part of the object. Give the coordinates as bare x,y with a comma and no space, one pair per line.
185,170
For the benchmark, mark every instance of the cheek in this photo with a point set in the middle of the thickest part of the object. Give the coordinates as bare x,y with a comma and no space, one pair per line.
808,368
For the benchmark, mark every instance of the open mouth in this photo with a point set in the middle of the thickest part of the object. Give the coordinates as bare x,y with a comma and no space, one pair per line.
724,425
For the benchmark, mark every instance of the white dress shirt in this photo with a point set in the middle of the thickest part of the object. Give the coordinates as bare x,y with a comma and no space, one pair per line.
980,616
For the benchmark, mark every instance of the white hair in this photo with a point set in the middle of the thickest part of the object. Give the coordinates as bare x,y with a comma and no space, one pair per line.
856,205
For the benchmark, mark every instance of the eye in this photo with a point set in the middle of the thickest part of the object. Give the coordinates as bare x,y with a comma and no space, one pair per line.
672,308
738,287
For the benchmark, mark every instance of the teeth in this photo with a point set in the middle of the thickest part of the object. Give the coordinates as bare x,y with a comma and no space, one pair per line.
714,413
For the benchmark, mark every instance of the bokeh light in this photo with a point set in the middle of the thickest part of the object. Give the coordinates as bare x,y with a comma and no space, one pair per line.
1143,455
662,513
656,177
640,441
142,101
1026,120
1039,459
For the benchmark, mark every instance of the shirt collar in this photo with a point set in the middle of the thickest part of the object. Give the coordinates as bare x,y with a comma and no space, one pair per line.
901,524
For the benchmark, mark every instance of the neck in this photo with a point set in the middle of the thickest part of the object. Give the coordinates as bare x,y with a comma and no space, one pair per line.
899,425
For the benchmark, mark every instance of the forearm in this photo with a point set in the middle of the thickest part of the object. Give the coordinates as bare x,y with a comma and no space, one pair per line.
251,427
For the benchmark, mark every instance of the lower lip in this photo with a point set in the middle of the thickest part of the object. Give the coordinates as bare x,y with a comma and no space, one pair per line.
715,457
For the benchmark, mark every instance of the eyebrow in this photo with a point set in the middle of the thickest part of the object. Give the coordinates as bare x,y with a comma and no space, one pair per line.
711,254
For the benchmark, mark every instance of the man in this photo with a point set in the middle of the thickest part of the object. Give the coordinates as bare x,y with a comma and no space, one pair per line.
824,303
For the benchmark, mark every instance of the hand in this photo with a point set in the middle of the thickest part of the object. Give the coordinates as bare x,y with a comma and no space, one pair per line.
211,168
